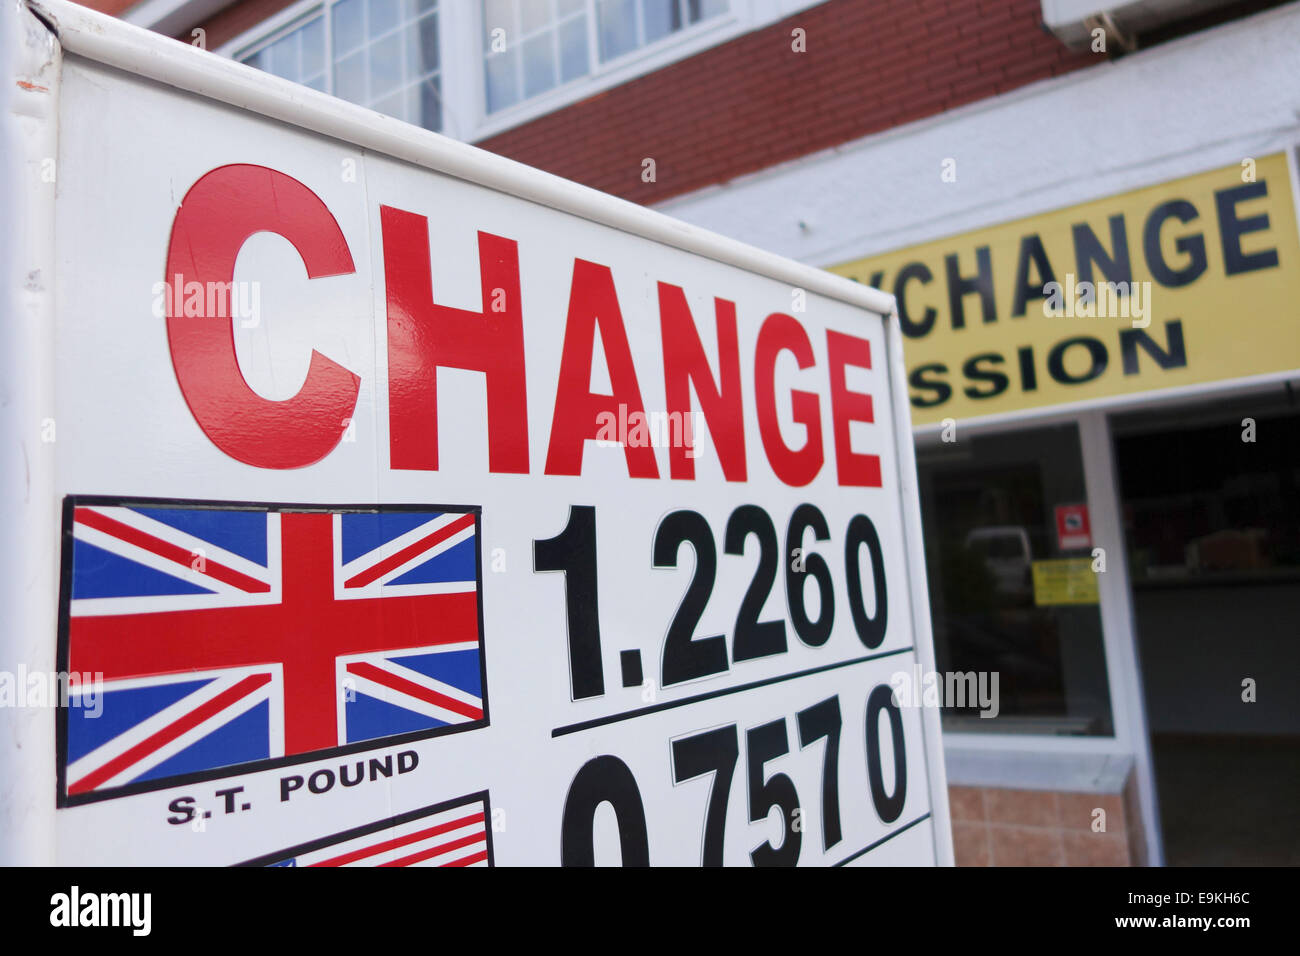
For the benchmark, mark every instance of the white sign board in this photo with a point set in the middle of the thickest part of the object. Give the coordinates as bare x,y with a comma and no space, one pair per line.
404,505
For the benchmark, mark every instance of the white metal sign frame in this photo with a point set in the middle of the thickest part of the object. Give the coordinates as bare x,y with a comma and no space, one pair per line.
49,42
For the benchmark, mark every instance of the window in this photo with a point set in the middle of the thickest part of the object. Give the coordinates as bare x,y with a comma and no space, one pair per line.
532,46
381,53
1008,589
472,69
298,55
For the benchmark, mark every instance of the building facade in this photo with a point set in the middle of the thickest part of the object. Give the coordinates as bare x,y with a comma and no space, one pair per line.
1087,210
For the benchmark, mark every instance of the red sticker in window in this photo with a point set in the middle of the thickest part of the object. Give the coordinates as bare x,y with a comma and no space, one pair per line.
1072,528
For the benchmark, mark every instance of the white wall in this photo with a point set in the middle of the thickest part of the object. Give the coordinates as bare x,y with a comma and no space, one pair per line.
1194,104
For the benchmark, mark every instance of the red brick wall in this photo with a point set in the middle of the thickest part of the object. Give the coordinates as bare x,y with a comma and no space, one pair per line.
112,7
870,65
233,20
1000,827
752,102
224,25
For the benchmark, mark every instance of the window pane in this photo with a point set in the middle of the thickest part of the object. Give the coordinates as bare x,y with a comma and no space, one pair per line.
431,104
539,65
298,55
313,48
1017,624
424,57
662,17
534,15
389,47
350,78
574,61
501,89
545,44
384,16
626,25
498,15
698,10
385,65
348,26
282,57
394,105
382,50
617,21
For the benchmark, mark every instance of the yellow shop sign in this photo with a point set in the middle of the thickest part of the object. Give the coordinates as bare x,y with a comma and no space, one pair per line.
1192,281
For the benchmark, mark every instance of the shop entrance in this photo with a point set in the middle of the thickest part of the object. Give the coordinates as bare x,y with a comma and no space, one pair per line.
1210,495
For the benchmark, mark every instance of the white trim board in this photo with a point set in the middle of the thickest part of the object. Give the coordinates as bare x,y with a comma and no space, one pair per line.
1035,770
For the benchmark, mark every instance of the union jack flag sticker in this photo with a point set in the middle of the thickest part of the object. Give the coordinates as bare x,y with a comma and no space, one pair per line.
217,638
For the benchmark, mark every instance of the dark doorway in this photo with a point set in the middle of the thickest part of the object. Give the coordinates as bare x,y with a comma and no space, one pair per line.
1211,504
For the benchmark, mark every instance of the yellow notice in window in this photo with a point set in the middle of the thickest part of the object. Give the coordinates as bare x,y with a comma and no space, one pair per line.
1065,581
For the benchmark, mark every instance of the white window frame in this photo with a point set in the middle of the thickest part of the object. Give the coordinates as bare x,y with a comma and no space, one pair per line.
461,59
299,14
272,28
279,26
604,74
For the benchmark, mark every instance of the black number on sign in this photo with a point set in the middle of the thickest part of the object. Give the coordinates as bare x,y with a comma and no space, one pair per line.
715,752
871,630
573,551
818,721
888,806
761,745
755,638
603,779
803,566
685,657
